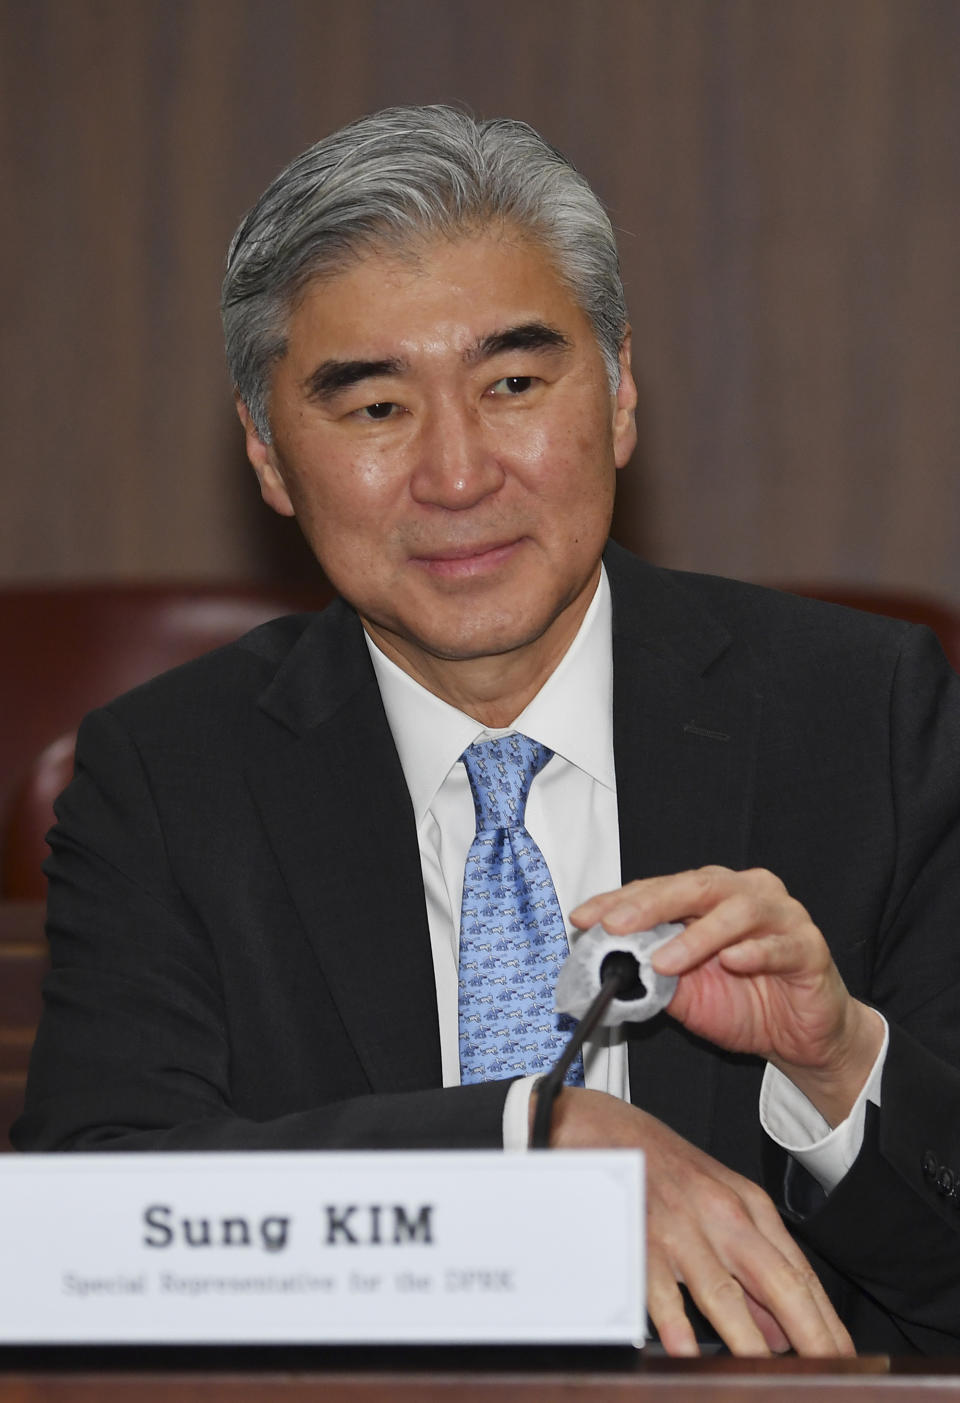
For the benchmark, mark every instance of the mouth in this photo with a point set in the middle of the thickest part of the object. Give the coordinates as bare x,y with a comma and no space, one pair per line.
468,561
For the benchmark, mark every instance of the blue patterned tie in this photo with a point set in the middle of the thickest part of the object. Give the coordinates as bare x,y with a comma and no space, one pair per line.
512,937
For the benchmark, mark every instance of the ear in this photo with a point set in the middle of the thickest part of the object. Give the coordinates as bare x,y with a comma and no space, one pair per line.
625,408
263,457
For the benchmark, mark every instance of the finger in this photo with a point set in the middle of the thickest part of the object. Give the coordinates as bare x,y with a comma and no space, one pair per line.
743,915
591,912
665,1308
774,1338
802,1312
721,1298
780,953
651,900
842,1339
783,1291
777,1276
842,1343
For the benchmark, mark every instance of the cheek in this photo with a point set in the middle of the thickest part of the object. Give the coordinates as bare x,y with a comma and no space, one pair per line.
571,467
337,491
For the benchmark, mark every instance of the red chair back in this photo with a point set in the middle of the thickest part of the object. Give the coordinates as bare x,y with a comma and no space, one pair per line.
69,648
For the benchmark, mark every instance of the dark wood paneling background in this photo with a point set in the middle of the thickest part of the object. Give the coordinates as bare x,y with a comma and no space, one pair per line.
786,174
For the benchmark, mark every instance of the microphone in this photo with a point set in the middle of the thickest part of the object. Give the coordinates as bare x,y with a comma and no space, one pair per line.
606,980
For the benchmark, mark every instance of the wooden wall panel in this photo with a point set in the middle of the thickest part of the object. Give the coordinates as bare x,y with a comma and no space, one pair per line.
786,174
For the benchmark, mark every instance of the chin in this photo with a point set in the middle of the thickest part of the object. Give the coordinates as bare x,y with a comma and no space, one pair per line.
493,640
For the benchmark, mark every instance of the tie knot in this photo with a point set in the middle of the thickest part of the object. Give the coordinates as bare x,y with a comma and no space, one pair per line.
500,773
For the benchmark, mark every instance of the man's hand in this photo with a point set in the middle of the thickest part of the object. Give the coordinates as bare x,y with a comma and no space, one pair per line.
755,976
713,1230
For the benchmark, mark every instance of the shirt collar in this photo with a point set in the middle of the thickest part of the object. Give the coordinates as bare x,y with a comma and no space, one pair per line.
572,713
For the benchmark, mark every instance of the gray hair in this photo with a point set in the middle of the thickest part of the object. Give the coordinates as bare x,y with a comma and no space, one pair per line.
389,179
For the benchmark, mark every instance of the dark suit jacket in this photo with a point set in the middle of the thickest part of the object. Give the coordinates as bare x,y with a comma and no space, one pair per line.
239,938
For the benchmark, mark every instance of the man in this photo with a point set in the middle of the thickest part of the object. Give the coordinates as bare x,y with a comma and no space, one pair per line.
257,875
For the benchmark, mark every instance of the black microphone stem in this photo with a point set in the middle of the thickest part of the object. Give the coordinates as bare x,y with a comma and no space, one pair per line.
550,1087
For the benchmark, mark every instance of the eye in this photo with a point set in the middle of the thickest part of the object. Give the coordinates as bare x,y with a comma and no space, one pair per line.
512,385
383,409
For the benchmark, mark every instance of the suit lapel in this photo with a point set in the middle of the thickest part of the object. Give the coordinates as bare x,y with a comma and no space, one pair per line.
337,812
686,711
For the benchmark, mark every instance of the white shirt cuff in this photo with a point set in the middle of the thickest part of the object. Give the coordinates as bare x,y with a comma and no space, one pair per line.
798,1127
516,1114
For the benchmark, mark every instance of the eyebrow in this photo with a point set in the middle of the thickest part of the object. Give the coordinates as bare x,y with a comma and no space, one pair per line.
528,336
333,376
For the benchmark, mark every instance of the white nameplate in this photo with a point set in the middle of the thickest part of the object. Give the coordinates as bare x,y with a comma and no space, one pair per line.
325,1248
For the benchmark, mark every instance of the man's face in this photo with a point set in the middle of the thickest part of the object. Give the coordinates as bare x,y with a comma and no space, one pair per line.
445,434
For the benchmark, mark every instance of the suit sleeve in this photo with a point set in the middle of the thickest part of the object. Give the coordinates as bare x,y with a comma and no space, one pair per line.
893,1223
136,1048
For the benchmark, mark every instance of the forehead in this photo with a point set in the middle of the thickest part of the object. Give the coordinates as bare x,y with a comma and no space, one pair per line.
445,289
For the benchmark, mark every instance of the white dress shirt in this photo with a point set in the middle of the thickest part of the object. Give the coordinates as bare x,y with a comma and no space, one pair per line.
572,814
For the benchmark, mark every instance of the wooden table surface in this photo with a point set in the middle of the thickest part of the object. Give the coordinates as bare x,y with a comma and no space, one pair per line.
870,1380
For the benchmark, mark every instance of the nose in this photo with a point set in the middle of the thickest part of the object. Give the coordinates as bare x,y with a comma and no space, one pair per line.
455,465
